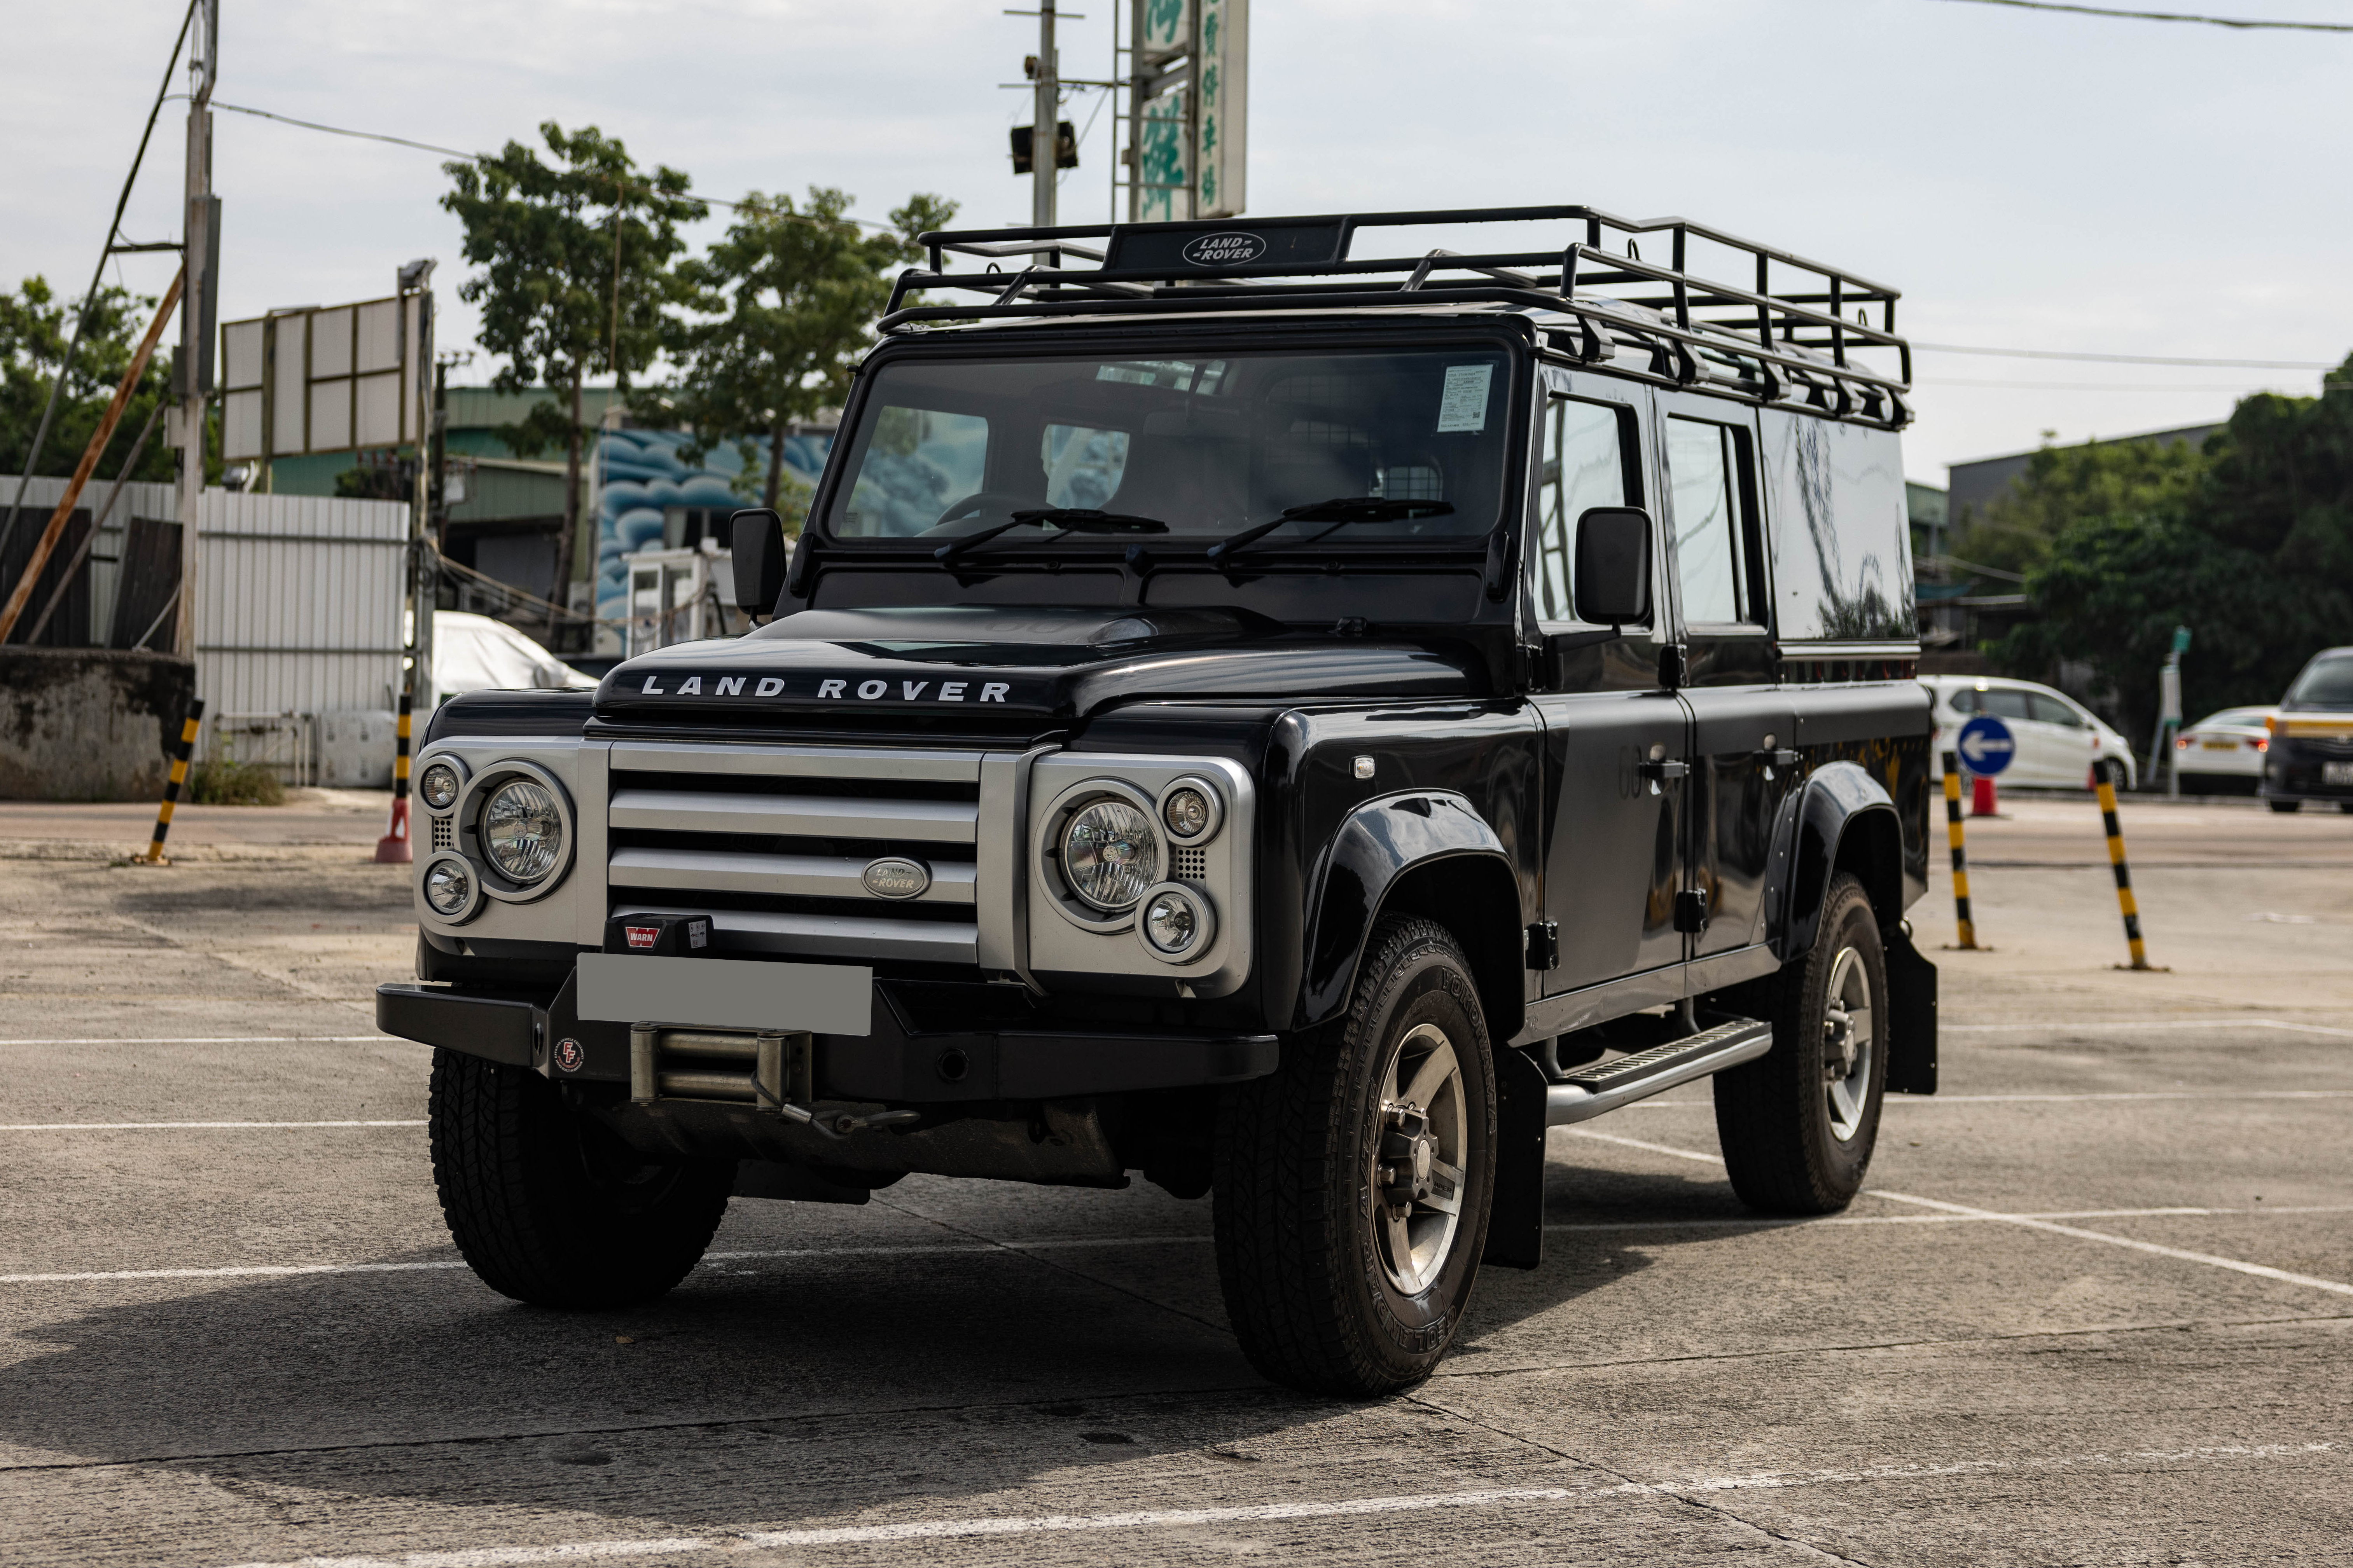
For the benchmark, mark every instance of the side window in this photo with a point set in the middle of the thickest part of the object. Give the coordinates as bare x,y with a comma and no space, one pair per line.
1965,700
1709,469
2003,703
1587,453
919,462
2050,711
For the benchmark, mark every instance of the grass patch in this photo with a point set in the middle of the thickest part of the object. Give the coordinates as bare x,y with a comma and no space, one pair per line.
221,781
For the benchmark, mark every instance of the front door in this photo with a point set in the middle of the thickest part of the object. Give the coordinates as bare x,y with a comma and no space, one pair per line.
1741,717
1614,851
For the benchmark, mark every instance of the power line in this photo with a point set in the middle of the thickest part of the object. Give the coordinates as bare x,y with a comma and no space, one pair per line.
481,157
2127,359
2241,24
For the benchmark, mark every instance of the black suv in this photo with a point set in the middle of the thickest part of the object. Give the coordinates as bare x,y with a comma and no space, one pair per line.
1292,725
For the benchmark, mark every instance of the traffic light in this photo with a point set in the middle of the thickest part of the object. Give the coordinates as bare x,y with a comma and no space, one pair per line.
1066,147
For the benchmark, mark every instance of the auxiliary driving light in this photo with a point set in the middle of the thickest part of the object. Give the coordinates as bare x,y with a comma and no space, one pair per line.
438,787
1190,811
1176,925
449,886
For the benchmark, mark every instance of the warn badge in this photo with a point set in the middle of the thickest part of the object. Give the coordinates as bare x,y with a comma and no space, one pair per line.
568,1054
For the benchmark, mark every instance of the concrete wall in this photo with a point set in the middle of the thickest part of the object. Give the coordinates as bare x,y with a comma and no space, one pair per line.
89,723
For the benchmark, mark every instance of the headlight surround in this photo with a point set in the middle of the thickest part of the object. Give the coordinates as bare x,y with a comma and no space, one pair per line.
522,831
1110,853
451,888
1176,923
438,784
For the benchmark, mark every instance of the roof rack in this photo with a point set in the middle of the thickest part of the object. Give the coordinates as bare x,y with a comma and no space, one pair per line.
1787,341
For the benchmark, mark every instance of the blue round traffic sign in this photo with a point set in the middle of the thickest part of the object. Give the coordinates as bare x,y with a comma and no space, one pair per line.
1986,746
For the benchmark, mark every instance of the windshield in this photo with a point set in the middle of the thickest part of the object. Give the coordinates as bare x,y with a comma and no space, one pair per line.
2326,683
1206,447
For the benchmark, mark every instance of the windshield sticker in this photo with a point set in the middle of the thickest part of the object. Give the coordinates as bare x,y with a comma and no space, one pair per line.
1463,407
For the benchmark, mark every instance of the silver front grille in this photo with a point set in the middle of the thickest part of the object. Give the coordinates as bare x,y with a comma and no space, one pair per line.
773,843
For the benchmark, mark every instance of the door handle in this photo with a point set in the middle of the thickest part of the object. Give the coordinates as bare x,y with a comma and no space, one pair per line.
1662,773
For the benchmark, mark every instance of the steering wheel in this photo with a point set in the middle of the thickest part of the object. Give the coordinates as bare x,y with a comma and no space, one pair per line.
980,500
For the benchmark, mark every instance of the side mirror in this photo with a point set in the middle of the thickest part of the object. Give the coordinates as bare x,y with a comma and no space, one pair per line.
758,556
1613,567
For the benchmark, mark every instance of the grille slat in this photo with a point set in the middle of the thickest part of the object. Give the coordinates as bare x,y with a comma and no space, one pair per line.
772,843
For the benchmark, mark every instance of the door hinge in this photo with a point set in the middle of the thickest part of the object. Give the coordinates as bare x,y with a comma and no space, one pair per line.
1691,910
1544,945
1662,773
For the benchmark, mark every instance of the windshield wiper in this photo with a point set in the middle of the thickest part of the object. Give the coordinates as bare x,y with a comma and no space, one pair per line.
1076,519
1339,509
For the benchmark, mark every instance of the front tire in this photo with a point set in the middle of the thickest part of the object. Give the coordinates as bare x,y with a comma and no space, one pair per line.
550,1208
2285,806
1352,1185
1798,1124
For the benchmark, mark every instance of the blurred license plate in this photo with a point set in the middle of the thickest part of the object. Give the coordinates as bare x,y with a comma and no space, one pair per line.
2220,745
2336,773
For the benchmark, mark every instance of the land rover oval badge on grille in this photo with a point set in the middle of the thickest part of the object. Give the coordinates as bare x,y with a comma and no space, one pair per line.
895,876
1225,250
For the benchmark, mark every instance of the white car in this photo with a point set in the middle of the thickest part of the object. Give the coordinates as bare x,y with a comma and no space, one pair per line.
2058,738
2222,754
475,653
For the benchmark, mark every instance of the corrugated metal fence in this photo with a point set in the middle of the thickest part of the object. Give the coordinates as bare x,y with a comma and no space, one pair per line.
299,611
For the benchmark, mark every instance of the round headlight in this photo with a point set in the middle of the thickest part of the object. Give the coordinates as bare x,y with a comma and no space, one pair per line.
449,888
438,787
1110,855
522,831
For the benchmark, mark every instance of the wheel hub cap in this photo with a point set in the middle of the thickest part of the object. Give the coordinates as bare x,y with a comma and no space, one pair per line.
1417,1154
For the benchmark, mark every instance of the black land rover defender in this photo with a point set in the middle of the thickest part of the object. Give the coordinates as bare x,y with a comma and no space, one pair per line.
1292,725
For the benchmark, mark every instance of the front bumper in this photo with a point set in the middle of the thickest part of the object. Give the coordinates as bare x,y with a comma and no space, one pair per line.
932,1043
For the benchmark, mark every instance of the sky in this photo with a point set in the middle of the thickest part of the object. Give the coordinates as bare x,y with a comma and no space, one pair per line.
2028,179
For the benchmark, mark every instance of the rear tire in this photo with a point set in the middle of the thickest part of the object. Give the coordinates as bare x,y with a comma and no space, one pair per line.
1798,1124
1344,1270
2285,805
548,1207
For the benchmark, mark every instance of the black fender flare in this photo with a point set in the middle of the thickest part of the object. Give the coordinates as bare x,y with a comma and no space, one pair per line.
1842,817
1429,852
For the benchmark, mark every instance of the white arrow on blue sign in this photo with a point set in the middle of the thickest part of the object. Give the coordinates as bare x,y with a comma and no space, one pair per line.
1986,746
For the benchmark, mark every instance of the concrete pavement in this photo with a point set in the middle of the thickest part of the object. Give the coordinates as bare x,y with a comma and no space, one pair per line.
2093,1308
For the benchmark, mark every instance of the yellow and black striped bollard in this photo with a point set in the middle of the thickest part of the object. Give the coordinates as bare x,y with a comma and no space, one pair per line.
1961,858
181,753
2108,769
394,848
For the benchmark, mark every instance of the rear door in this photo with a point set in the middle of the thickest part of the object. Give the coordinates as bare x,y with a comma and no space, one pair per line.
2035,761
1616,825
1740,714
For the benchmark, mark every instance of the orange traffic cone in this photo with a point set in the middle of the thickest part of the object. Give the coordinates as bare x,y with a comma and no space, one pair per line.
1981,801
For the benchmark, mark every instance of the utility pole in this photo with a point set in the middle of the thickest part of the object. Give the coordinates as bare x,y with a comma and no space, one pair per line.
197,309
1045,121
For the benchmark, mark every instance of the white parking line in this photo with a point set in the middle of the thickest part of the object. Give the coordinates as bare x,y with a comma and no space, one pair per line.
1283,1512
1936,1100
174,1126
2239,1022
2029,1221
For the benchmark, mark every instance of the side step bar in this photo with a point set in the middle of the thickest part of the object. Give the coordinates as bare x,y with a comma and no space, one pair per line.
1606,1086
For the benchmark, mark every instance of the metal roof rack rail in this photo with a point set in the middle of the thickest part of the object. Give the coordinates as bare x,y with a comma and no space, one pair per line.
1786,342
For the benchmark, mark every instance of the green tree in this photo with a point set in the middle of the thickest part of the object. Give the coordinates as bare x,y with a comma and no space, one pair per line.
2064,484
34,328
789,299
2254,553
577,279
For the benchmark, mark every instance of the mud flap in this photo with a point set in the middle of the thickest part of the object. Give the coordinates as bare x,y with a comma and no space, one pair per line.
1911,1030
1515,1212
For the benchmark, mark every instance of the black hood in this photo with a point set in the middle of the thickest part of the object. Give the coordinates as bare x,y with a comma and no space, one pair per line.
984,660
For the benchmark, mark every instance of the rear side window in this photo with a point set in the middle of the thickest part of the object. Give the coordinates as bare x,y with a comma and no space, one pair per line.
2050,711
1963,701
1841,541
1710,471
1588,462
2003,703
